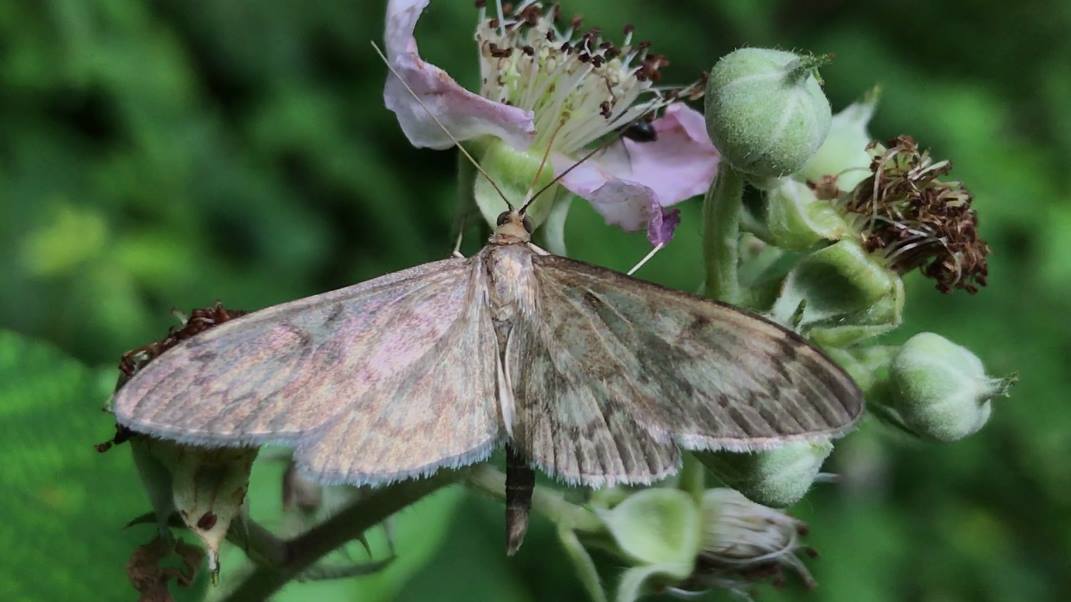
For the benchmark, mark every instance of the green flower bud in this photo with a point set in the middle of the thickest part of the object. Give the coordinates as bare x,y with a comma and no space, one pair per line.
744,543
840,295
766,111
207,486
682,543
843,156
939,390
797,220
777,477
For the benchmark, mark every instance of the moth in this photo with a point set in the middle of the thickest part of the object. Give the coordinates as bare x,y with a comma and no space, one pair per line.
593,377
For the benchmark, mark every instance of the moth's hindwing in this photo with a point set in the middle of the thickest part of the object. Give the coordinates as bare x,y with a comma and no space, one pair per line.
611,374
387,379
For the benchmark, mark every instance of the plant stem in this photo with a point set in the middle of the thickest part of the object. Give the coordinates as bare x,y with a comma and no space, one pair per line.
304,550
549,503
721,235
260,544
692,479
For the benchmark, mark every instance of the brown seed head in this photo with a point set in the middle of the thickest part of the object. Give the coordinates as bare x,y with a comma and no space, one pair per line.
917,220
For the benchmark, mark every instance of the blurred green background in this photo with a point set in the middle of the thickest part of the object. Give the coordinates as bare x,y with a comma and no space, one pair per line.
166,154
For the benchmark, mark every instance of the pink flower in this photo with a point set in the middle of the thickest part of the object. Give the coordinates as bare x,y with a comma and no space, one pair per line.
545,87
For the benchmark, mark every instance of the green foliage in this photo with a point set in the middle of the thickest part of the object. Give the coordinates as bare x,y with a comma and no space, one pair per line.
64,505
168,154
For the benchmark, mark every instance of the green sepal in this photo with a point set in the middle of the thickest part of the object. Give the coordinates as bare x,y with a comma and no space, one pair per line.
847,296
513,171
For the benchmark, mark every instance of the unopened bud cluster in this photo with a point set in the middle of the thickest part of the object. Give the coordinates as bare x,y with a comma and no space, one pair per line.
837,221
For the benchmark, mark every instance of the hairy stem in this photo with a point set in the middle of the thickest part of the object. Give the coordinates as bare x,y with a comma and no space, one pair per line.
547,502
721,235
348,524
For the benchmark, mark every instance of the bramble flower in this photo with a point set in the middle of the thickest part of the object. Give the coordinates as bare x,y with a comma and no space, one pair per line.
902,216
551,86
206,487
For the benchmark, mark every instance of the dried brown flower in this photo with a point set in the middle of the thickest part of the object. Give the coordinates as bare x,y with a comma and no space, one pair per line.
150,579
917,220
199,321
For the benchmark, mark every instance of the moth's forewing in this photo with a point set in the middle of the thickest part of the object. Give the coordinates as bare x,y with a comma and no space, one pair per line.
615,372
345,376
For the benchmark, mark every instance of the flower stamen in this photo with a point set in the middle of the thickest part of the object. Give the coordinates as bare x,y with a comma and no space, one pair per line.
566,76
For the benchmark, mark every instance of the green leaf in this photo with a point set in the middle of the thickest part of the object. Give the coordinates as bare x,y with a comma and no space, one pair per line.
64,505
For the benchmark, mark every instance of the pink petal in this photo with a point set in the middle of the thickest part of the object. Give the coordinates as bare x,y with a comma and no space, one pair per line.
681,162
661,227
464,114
632,183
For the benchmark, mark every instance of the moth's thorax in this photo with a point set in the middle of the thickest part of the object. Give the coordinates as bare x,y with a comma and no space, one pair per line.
512,281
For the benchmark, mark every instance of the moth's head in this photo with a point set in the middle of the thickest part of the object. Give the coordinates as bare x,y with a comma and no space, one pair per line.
512,227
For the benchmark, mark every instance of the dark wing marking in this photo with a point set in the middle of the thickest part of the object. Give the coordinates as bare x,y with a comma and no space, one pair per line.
612,373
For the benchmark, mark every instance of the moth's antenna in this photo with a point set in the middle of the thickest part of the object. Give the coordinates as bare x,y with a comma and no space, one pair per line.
441,126
558,178
543,161
564,173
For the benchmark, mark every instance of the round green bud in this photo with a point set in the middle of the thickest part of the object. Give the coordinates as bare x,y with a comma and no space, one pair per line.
777,477
939,390
766,111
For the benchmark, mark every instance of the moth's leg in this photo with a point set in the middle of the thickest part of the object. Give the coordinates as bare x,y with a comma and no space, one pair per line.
457,245
645,259
506,403
538,249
